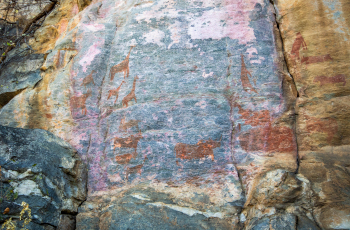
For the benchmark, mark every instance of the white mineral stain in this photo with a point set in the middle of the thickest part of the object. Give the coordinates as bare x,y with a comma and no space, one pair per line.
94,27
26,188
155,37
230,20
140,196
207,75
188,211
90,54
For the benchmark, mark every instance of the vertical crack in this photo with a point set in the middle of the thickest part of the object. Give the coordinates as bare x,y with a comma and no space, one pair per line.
290,79
230,97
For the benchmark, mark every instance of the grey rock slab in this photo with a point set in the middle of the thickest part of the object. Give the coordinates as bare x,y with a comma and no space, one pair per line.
43,171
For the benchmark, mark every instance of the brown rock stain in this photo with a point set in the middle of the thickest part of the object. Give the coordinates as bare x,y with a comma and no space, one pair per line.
50,31
125,125
200,150
323,80
247,86
328,126
264,136
49,116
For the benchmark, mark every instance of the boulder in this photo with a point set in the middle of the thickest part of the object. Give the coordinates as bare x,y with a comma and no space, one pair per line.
42,170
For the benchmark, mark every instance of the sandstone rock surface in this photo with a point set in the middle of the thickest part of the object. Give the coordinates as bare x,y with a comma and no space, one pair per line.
316,46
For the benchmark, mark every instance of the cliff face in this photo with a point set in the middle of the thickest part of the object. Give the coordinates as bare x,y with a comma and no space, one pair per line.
196,114
316,44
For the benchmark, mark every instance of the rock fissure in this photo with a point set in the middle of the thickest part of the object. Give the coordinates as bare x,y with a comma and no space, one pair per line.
8,96
291,81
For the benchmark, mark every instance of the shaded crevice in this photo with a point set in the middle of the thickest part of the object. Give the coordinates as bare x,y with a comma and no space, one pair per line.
8,96
291,81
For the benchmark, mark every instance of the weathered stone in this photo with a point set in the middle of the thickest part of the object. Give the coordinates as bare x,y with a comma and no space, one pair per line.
20,71
67,222
204,106
144,208
275,187
42,170
305,223
316,43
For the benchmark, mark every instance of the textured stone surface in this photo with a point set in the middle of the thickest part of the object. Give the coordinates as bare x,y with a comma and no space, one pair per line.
316,44
145,208
21,71
211,105
44,171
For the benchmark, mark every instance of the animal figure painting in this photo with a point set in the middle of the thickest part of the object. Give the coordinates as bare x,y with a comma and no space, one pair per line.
323,80
131,95
299,43
316,59
128,142
88,79
200,150
124,125
80,101
115,92
121,67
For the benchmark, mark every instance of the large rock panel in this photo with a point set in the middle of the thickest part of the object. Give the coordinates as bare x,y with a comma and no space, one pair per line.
189,100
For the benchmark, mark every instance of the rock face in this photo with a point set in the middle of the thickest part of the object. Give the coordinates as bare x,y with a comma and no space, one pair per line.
316,47
42,170
199,114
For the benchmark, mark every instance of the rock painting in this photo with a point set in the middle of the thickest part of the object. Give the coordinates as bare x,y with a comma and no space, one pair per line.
133,170
264,135
297,45
125,125
315,59
115,92
200,150
247,86
131,95
329,126
121,67
88,79
128,142
323,80
78,102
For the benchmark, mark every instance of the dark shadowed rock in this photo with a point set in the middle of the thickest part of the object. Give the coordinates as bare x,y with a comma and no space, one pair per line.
43,171
20,71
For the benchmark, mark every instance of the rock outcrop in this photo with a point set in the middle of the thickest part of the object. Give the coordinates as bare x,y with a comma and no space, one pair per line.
43,171
317,50
201,114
